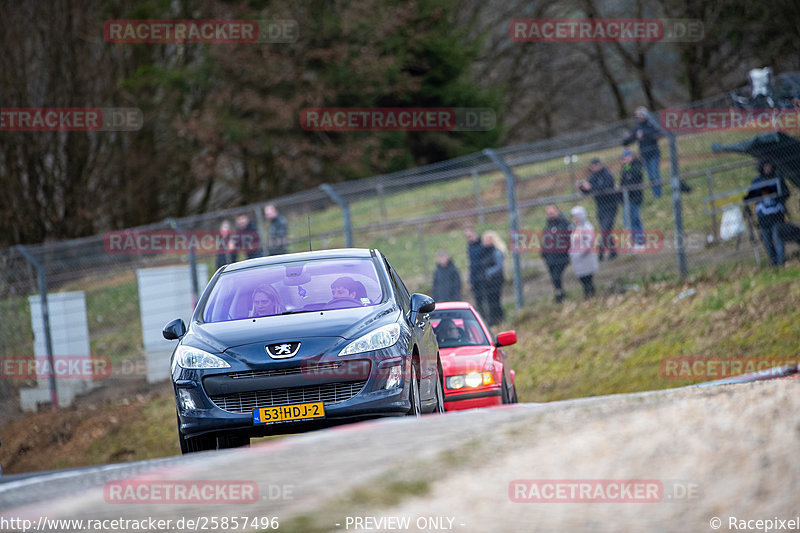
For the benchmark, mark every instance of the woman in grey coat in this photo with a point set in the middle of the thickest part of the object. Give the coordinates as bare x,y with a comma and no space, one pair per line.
582,252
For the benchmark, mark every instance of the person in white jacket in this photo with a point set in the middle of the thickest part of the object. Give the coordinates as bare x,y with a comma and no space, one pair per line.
582,250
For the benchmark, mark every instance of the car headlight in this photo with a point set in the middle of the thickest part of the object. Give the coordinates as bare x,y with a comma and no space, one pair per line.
473,380
455,382
195,358
382,337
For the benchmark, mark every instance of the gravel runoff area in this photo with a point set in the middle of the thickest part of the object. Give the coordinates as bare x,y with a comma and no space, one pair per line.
729,451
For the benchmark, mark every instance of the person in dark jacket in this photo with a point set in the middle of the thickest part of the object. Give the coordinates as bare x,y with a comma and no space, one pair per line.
555,247
228,252
647,136
477,256
601,185
248,233
770,209
278,231
631,176
494,275
446,279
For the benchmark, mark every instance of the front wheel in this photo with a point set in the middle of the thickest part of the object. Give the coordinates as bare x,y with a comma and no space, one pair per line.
439,393
505,393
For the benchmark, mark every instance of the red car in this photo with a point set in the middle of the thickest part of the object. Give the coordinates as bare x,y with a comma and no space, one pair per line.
475,369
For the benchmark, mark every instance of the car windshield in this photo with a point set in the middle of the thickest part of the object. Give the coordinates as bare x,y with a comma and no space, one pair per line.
457,327
296,287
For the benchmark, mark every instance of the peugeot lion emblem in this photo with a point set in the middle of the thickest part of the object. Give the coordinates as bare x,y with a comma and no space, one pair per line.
282,350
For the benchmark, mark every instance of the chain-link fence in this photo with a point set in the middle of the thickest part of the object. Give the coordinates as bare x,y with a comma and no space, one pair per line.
413,217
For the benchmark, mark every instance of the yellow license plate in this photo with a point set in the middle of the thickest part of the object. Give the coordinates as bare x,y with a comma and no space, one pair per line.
288,413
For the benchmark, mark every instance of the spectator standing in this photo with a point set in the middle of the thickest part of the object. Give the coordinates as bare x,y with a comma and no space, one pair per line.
227,253
446,279
601,184
247,233
647,135
581,252
278,231
632,176
770,209
555,248
476,254
494,275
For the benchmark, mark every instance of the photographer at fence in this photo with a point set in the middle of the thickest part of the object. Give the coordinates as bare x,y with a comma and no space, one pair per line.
601,184
556,253
446,279
770,209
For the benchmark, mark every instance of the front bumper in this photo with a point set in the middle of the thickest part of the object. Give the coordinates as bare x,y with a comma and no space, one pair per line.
366,396
485,397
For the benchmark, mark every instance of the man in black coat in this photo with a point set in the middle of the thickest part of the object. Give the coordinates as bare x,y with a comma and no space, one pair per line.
555,247
446,279
601,185
478,258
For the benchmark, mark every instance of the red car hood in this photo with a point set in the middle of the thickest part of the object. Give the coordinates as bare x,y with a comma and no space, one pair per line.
465,359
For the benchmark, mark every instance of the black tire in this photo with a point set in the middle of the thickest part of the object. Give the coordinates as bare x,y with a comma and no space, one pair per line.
413,394
505,393
439,409
234,440
195,444
514,394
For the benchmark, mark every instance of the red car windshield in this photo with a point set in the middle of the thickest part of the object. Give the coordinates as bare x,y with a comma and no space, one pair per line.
457,327
296,287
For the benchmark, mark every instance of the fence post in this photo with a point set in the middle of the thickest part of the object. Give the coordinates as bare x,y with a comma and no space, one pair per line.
512,220
626,208
677,205
345,207
192,264
423,251
41,278
384,214
714,227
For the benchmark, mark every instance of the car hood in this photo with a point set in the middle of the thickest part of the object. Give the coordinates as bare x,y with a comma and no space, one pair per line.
465,359
341,323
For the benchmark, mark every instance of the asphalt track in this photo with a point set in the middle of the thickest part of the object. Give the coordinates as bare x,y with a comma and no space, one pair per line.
724,451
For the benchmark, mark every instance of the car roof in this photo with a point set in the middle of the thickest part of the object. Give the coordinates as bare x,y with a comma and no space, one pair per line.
341,253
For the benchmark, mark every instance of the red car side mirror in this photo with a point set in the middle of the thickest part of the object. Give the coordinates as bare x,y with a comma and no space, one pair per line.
507,338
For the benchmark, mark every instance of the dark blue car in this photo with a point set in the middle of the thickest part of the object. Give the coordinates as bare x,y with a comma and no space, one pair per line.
296,342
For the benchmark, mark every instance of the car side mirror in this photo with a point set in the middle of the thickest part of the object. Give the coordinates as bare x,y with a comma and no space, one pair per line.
174,330
507,338
422,303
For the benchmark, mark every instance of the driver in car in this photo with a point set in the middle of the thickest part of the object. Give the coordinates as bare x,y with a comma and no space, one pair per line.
447,331
265,301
